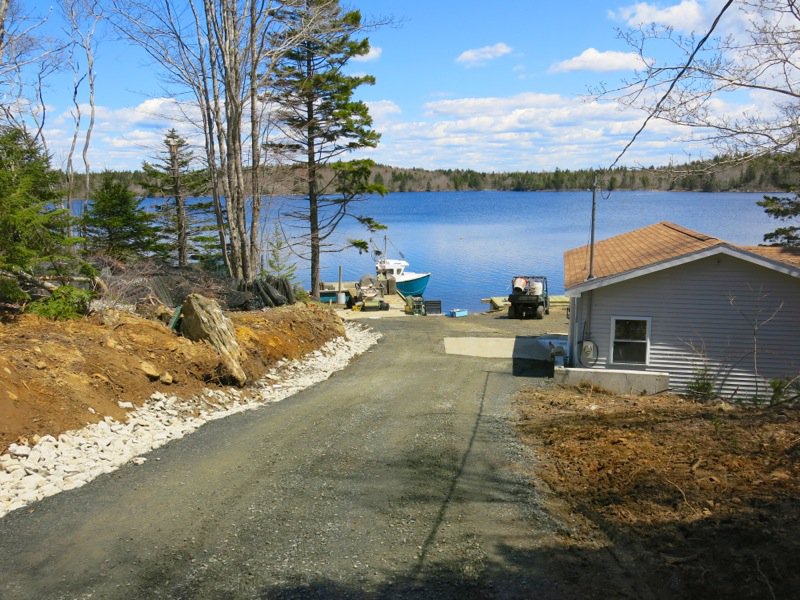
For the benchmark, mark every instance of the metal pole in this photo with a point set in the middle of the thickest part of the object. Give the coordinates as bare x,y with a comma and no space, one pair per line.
591,239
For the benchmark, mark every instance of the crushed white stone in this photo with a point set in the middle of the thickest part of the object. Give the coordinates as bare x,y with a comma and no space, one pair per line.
56,464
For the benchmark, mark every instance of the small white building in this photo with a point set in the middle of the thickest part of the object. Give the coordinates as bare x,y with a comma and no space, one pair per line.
665,298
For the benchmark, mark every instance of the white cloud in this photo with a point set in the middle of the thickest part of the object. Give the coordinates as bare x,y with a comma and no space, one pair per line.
382,109
373,54
462,106
125,137
687,15
594,60
528,131
479,56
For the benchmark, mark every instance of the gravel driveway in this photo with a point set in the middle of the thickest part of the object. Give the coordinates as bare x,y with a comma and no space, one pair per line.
399,477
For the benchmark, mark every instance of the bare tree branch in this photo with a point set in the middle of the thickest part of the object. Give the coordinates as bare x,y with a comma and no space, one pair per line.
758,57
657,109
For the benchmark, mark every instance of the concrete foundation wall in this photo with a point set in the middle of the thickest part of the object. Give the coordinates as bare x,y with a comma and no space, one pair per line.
616,381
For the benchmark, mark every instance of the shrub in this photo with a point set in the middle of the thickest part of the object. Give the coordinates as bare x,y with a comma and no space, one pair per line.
10,291
701,387
785,390
66,302
89,270
301,295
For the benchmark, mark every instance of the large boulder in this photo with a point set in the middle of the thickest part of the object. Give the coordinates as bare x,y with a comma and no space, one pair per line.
202,319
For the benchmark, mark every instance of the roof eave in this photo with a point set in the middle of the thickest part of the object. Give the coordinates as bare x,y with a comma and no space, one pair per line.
724,248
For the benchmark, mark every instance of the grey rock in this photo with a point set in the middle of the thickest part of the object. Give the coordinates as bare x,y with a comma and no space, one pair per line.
203,320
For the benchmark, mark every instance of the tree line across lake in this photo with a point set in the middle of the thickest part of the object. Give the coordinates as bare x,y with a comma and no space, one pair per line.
764,174
718,175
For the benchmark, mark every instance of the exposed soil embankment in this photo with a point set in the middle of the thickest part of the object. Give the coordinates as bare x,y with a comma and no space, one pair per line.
58,376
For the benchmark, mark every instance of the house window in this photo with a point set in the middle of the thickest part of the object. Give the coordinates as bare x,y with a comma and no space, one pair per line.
630,340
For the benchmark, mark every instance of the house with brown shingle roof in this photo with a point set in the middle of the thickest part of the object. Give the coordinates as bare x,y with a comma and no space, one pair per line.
668,299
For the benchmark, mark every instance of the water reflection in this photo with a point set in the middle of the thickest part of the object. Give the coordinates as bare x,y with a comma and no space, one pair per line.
474,242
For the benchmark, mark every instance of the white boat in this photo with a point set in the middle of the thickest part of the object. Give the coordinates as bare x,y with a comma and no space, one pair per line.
408,283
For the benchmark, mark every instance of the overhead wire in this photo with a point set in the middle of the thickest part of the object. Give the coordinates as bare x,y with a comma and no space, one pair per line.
663,99
673,83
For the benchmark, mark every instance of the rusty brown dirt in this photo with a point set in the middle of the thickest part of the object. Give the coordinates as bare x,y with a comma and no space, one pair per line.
56,376
706,495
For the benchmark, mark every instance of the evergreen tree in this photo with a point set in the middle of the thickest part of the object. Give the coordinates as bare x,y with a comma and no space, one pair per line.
32,229
278,260
320,121
117,225
786,208
186,223
783,208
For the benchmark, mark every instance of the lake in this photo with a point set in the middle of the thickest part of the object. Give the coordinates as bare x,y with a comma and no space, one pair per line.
474,242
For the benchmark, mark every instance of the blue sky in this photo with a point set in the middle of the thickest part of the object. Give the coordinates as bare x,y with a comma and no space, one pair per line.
460,84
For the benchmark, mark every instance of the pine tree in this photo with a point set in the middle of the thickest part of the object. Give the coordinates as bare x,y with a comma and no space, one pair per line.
32,230
278,260
320,121
783,208
186,222
116,224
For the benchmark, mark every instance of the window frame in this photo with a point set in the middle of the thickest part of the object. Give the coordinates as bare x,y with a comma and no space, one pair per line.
613,340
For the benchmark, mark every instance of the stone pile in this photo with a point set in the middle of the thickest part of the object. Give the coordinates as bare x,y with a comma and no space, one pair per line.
30,472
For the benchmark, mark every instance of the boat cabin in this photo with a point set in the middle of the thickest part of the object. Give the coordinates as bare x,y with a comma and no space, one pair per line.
391,268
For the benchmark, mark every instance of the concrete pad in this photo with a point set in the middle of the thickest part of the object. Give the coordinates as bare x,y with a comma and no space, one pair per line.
495,347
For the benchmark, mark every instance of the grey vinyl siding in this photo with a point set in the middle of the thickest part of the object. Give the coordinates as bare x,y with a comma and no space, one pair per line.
705,313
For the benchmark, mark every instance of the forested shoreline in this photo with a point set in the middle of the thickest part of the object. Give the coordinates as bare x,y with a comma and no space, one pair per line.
718,175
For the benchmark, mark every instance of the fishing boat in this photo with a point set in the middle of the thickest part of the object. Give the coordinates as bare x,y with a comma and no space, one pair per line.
408,283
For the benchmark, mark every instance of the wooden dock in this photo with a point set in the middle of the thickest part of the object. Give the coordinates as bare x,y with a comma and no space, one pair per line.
397,303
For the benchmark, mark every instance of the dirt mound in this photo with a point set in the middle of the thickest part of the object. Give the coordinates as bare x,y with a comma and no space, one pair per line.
57,376
706,495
